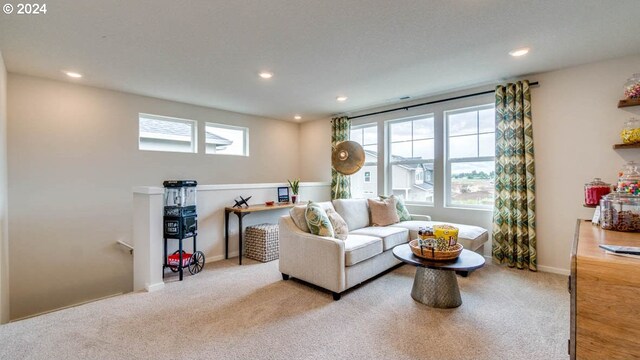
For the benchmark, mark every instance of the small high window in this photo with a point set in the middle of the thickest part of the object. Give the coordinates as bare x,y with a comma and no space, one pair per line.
226,139
161,133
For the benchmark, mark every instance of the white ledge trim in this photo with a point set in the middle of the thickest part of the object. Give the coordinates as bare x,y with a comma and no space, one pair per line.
157,190
148,190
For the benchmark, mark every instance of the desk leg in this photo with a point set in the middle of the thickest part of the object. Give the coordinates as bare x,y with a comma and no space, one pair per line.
436,288
180,259
240,216
226,234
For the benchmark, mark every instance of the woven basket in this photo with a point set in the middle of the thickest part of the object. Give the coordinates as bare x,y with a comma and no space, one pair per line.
429,254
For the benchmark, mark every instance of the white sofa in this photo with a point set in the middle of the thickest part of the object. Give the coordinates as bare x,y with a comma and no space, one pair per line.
338,265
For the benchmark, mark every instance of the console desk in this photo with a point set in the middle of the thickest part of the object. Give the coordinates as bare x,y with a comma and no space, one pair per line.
605,296
241,212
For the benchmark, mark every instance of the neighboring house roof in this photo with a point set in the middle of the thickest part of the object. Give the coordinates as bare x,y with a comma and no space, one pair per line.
425,166
176,131
218,140
424,186
165,130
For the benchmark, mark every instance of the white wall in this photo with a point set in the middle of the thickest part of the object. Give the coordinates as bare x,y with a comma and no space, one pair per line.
576,122
4,234
315,152
73,160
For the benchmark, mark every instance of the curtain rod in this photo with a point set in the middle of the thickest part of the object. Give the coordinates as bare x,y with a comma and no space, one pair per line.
430,102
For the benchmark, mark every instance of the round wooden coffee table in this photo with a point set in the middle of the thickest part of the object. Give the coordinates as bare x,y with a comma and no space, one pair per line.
435,283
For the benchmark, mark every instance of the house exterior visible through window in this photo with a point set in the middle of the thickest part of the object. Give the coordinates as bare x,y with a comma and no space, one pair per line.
160,133
411,155
226,139
364,183
470,156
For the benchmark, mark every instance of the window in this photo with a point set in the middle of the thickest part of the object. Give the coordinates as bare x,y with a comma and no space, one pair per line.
364,183
470,156
411,144
160,133
226,139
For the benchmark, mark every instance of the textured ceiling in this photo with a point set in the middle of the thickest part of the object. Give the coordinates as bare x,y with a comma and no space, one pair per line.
375,51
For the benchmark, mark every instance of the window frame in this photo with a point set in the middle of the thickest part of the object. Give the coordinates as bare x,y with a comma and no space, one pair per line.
448,161
245,137
389,163
192,123
363,144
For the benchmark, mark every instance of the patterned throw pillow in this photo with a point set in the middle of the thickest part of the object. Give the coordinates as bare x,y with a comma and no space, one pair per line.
317,220
401,208
383,212
340,229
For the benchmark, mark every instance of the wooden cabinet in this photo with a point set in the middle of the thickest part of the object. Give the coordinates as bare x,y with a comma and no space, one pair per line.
605,296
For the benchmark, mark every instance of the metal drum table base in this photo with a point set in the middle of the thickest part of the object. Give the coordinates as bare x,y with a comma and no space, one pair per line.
436,288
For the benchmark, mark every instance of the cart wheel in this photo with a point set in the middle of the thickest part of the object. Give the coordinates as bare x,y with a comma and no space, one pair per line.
197,262
175,269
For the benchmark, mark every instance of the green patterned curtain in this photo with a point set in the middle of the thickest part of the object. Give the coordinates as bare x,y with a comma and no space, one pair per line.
514,215
340,184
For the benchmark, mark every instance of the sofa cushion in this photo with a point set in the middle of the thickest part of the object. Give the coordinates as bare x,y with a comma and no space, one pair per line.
358,248
297,214
471,237
340,229
383,212
401,208
317,220
391,236
354,211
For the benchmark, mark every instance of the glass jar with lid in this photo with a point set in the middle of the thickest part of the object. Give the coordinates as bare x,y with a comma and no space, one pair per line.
631,132
594,190
620,212
632,87
629,180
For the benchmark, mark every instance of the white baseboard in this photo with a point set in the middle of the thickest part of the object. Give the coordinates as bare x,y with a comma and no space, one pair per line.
154,287
66,307
542,268
554,270
219,257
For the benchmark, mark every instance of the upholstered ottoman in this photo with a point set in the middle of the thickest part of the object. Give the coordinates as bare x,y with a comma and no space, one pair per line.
262,242
471,237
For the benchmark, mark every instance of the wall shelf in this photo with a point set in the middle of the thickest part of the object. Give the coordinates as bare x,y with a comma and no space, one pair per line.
626,146
628,102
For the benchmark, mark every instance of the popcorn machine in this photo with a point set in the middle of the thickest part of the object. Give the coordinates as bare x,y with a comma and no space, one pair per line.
181,222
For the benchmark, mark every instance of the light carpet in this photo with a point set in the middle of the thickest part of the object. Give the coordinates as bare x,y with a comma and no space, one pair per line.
248,312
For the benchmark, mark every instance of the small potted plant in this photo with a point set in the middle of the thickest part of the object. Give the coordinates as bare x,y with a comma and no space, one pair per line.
295,186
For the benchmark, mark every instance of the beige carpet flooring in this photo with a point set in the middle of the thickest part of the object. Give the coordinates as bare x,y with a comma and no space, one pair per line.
248,312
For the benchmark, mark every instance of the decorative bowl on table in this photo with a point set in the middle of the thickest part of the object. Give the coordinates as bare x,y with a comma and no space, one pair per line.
432,253
269,203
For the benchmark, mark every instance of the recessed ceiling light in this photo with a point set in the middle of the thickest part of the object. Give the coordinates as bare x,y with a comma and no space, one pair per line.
519,52
297,117
73,74
342,98
266,75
